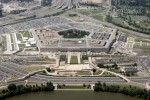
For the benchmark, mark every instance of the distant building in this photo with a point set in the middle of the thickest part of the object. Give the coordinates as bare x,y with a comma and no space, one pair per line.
122,37
5,1
13,9
38,1
129,69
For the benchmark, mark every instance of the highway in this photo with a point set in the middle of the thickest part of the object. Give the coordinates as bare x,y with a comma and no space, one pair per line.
86,80
79,80
11,68
139,79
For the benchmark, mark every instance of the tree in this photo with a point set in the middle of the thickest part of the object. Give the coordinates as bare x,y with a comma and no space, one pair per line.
115,66
94,70
100,65
108,18
4,91
84,85
49,86
11,87
48,69
135,64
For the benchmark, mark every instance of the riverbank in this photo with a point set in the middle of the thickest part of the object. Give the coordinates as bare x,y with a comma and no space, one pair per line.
13,89
128,90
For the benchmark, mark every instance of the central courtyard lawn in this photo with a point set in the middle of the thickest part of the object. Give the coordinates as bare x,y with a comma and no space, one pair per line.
74,60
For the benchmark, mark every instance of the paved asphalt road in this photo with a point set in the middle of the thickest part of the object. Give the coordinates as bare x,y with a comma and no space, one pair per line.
17,71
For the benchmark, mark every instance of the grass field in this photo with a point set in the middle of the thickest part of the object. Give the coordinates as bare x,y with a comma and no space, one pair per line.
74,60
32,68
19,37
44,59
3,44
118,21
107,74
27,34
97,72
83,73
21,46
98,17
11,38
88,11
96,14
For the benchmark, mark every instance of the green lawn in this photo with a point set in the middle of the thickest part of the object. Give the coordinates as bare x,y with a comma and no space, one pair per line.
138,18
74,60
11,38
118,21
44,59
97,72
83,73
12,46
88,11
21,46
96,14
107,74
3,44
98,17
19,37
33,68
63,58
27,34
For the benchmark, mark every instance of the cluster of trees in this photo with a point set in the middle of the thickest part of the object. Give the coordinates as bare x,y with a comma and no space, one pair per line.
108,18
48,69
130,73
127,90
46,2
137,29
137,25
85,57
14,89
63,58
90,4
130,2
73,33
25,0
1,12
114,66
132,7
73,15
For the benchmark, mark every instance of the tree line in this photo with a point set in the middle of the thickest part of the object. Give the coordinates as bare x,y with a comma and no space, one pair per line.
137,29
25,0
126,90
130,2
14,89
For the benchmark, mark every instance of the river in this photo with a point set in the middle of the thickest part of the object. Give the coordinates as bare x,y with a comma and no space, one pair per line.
72,95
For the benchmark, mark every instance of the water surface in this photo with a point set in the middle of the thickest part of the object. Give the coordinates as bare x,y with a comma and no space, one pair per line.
72,95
